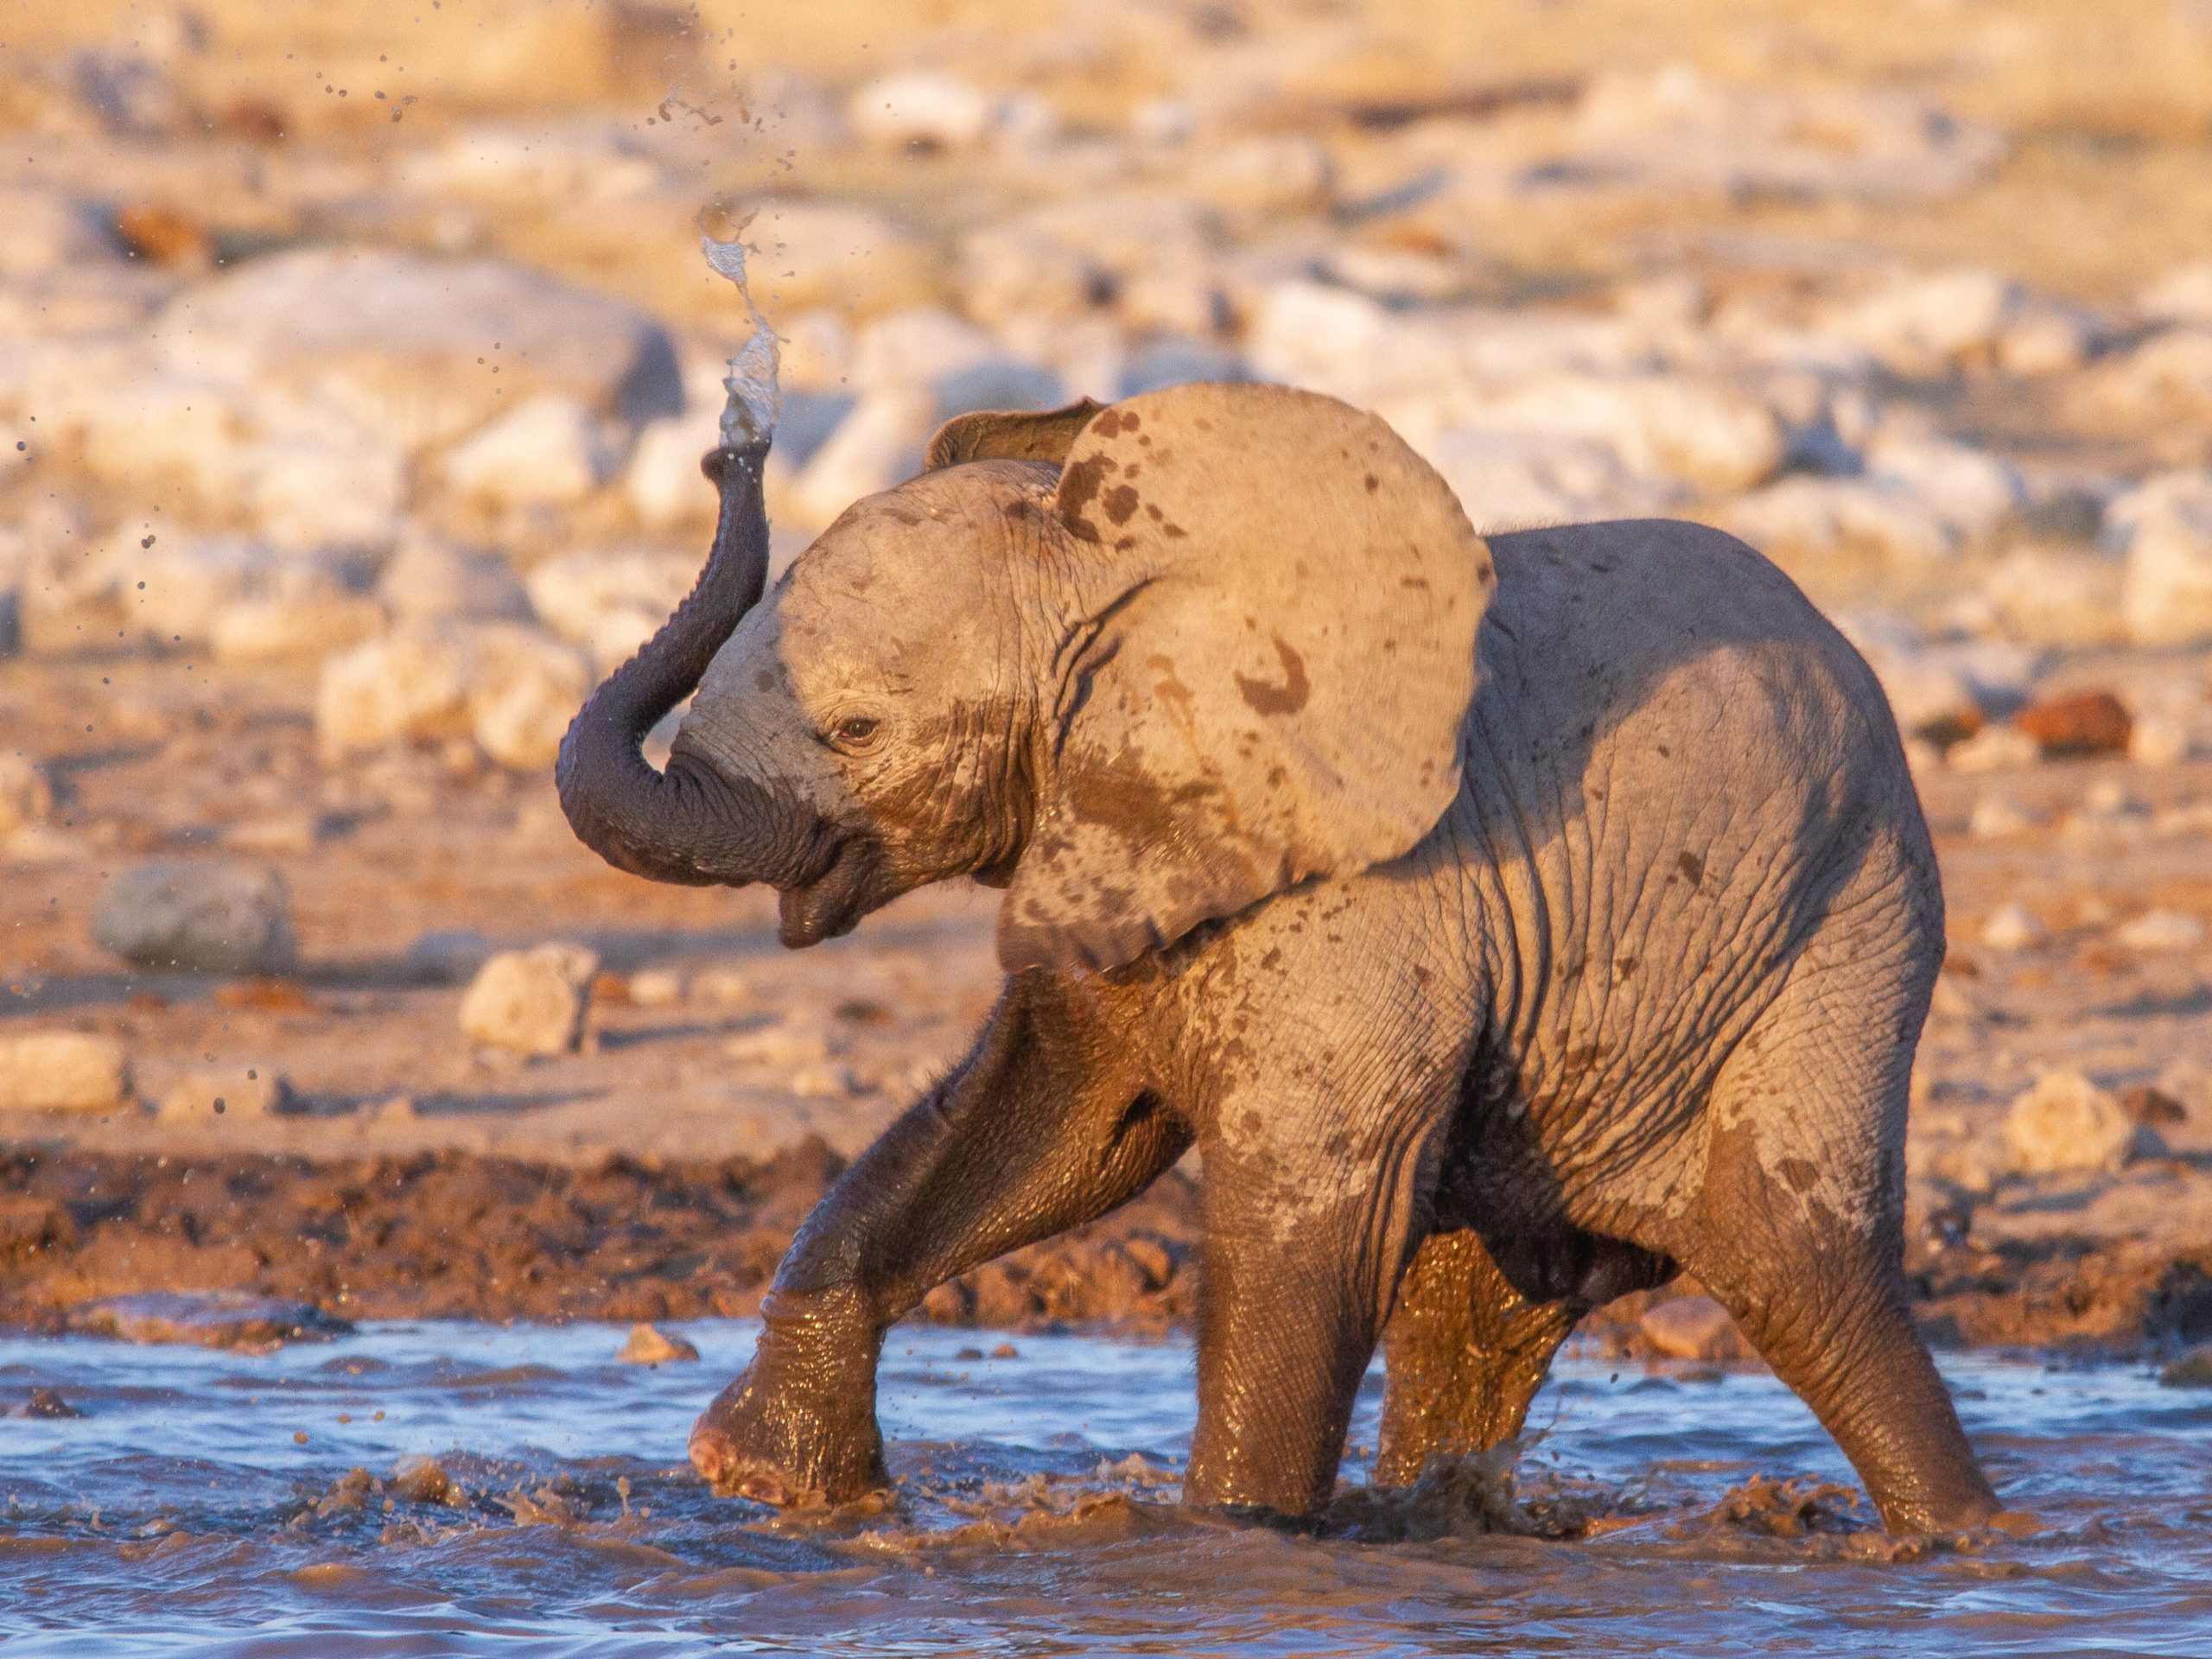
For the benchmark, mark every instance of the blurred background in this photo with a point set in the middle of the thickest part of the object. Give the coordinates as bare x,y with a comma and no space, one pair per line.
356,361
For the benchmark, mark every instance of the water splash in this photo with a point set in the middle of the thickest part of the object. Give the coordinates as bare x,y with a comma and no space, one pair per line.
756,397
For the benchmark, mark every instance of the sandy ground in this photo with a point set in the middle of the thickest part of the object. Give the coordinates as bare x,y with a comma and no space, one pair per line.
1425,158
764,1057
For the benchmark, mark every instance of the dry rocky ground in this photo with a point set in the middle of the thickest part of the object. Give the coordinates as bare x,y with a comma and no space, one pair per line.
354,373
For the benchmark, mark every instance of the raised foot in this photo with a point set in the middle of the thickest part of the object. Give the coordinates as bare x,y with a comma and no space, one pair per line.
798,1429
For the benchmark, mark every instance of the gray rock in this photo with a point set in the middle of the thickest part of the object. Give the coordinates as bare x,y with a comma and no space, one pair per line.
208,1318
200,916
447,956
1173,360
2192,1370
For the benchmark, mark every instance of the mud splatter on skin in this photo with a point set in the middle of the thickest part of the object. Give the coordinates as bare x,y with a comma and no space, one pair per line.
1285,699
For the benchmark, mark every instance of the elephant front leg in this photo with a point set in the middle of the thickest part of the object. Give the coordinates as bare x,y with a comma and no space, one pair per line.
1044,1126
1301,1260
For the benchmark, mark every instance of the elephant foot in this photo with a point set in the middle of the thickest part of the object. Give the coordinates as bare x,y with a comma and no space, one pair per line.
797,1427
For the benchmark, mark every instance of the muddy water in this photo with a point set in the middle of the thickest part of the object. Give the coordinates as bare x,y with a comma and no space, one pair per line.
521,1493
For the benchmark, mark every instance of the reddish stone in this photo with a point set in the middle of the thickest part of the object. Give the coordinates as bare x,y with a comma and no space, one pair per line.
2091,723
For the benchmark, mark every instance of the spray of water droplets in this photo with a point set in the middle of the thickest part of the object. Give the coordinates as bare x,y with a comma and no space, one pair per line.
756,399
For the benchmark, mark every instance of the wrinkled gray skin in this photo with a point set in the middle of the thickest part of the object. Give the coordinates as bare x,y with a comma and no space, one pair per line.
1486,996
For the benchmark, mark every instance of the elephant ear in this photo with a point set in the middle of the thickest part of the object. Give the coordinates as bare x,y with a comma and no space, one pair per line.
1278,662
993,435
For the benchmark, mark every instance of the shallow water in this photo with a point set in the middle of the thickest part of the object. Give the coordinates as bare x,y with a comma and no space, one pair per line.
201,1504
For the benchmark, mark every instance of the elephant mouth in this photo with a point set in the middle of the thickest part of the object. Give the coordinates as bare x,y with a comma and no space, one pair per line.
831,904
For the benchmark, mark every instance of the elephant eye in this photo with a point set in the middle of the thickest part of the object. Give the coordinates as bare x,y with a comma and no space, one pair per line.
853,730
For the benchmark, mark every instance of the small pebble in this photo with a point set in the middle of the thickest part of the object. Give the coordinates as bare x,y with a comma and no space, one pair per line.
650,1346
47,1403
2162,930
2013,927
1994,818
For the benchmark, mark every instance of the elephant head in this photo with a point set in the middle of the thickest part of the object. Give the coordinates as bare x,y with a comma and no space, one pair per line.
1139,665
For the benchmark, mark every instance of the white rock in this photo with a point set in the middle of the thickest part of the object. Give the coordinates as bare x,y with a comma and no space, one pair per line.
2158,738
550,451
782,1043
1994,748
62,1071
1827,515
1333,341
1996,818
2045,339
26,794
878,445
1265,173
656,987
164,588
391,340
411,683
2182,295
1510,480
923,107
2166,587
611,600
1928,696
235,1091
2066,1124
1011,270
1150,254
210,916
1674,127
2046,597
530,1002
548,162
909,349
1662,426
2013,927
335,486
2162,930
730,986
2109,800
2170,372
1090,357
1922,325
525,688
427,578
43,230
663,482
1969,490
311,623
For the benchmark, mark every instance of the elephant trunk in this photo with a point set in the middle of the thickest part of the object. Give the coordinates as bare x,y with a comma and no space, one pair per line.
687,824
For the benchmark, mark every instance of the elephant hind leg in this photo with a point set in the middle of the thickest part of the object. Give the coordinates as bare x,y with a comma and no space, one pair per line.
1466,1353
1473,1336
1801,1237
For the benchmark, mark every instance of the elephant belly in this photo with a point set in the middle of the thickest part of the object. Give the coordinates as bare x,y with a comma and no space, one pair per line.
1647,855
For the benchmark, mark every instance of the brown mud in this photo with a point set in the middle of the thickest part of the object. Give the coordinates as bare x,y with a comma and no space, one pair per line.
451,1234
454,1234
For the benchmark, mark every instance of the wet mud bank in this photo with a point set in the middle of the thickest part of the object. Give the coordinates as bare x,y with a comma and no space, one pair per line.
455,1235
452,1234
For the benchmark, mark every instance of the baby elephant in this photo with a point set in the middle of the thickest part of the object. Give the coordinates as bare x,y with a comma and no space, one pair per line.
1510,922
